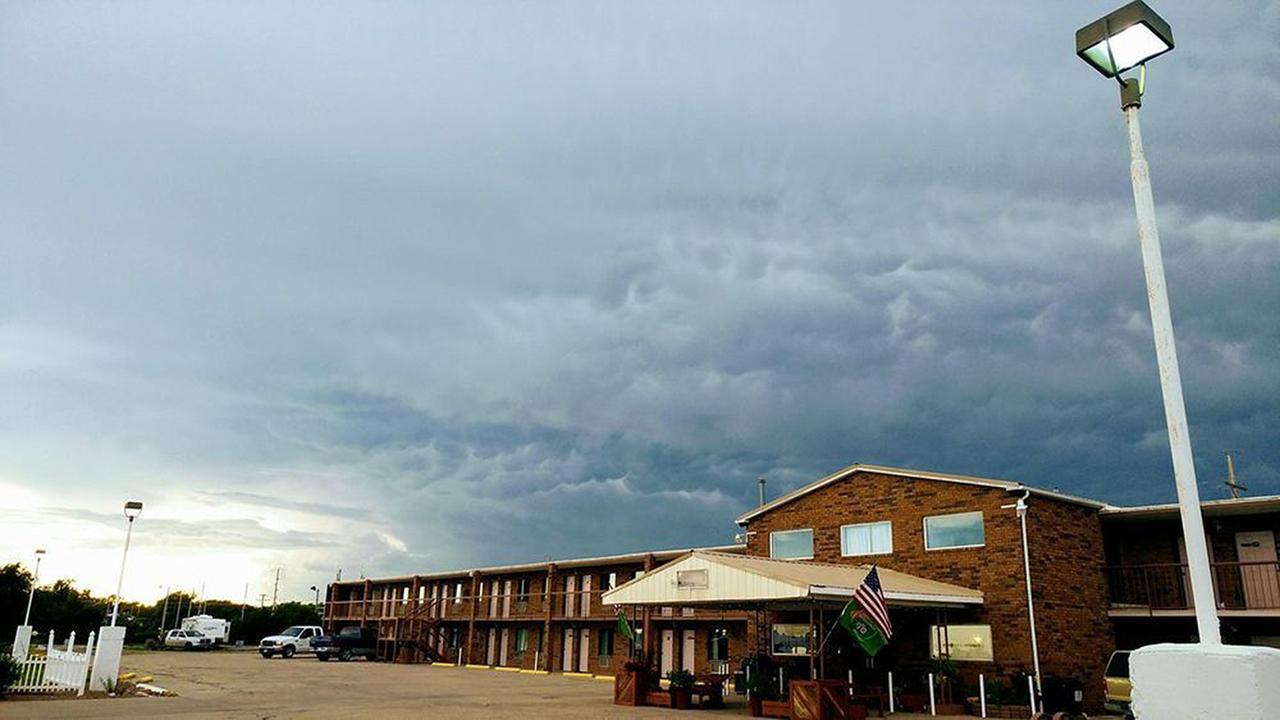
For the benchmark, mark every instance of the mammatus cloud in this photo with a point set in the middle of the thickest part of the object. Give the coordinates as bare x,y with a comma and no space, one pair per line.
453,285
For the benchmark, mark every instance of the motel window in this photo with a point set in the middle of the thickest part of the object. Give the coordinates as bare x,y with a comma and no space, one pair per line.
522,640
608,581
867,539
522,589
455,639
718,644
953,531
791,544
964,643
604,642
639,574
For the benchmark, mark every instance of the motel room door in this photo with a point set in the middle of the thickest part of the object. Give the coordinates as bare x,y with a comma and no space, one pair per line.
502,649
566,657
687,650
584,650
1261,581
493,639
668,652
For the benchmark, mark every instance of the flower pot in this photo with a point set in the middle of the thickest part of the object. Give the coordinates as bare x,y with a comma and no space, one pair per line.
756,705
681,698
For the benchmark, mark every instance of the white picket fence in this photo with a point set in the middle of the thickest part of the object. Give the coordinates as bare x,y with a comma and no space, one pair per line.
58,671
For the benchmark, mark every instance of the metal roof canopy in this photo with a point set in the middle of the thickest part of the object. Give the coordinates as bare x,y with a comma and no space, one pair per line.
713,578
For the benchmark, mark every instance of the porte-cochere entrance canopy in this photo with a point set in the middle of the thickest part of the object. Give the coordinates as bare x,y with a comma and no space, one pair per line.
722,579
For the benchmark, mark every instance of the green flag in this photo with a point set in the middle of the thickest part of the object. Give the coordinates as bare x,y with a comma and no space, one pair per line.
624,628
862,628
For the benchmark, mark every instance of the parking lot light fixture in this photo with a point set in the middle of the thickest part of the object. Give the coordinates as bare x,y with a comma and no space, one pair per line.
132,509
1130,37
1124,39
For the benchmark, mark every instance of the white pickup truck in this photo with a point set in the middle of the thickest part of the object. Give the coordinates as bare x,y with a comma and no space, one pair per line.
295,639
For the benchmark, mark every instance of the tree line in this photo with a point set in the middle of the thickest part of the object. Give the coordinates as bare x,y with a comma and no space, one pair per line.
63,608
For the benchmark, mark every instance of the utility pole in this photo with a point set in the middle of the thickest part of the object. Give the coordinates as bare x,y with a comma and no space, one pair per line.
1236,488
203,601
275,591
244,601
262,599
164,616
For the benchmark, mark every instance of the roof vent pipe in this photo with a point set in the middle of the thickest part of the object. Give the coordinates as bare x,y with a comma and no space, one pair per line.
762,482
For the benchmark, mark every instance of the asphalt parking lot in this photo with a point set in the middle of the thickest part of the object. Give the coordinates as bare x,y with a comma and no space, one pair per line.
230,684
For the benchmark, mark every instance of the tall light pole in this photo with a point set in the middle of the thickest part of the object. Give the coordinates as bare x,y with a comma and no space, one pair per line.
132,510
1123,40
164,615
316,590
26,619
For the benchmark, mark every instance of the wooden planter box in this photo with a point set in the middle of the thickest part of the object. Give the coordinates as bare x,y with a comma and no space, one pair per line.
1001,711
776,708
628,688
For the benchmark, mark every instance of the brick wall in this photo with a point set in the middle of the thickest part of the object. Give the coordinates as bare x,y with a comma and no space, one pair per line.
1066,546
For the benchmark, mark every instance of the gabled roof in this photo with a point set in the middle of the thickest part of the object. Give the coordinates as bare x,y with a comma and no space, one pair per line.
905,473
736,579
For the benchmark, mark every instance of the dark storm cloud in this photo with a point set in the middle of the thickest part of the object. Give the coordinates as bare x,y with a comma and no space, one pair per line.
519,281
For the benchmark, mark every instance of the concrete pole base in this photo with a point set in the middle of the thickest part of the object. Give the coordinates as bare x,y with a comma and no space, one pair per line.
22,642
1205,682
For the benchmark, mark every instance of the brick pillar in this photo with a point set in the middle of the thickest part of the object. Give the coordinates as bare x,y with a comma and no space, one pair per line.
471,621
548,606
364,601
647,650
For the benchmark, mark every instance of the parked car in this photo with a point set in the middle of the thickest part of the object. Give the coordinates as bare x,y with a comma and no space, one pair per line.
347,643
211,627
1119,688
294,639
187,640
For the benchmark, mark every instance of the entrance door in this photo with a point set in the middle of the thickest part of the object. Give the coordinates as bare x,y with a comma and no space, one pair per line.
668,651
502,649
584,649
570,584
493,639
566,658
687,650
1261,581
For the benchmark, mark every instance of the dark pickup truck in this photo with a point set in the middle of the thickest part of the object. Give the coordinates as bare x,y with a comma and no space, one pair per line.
347,643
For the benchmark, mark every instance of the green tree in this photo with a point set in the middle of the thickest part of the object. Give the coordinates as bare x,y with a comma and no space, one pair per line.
15,583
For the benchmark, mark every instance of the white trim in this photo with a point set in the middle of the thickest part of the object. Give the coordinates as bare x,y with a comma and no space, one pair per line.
844,552
924,527
788,532
923,598
542,566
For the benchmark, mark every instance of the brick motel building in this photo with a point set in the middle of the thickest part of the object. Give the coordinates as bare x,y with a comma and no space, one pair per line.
950,552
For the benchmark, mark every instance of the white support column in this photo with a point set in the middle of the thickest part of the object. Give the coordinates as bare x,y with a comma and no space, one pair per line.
106,661
22,642
891,709
932,709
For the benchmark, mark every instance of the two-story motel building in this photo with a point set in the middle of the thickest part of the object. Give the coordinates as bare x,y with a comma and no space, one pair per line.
951,558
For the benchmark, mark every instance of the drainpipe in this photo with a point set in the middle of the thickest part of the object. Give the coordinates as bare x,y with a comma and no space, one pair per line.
1021,508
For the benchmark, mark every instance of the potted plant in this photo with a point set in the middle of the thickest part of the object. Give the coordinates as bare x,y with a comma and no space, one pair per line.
754,684
681,689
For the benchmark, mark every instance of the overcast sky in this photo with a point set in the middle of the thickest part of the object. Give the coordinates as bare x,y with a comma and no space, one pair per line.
409,286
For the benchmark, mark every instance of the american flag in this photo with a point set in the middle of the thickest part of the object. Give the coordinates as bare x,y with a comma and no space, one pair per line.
871,599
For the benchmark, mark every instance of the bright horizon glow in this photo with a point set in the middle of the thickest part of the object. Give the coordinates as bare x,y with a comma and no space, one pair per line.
1131,47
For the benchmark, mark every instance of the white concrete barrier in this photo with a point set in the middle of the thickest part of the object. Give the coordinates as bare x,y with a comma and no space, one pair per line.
1205,682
